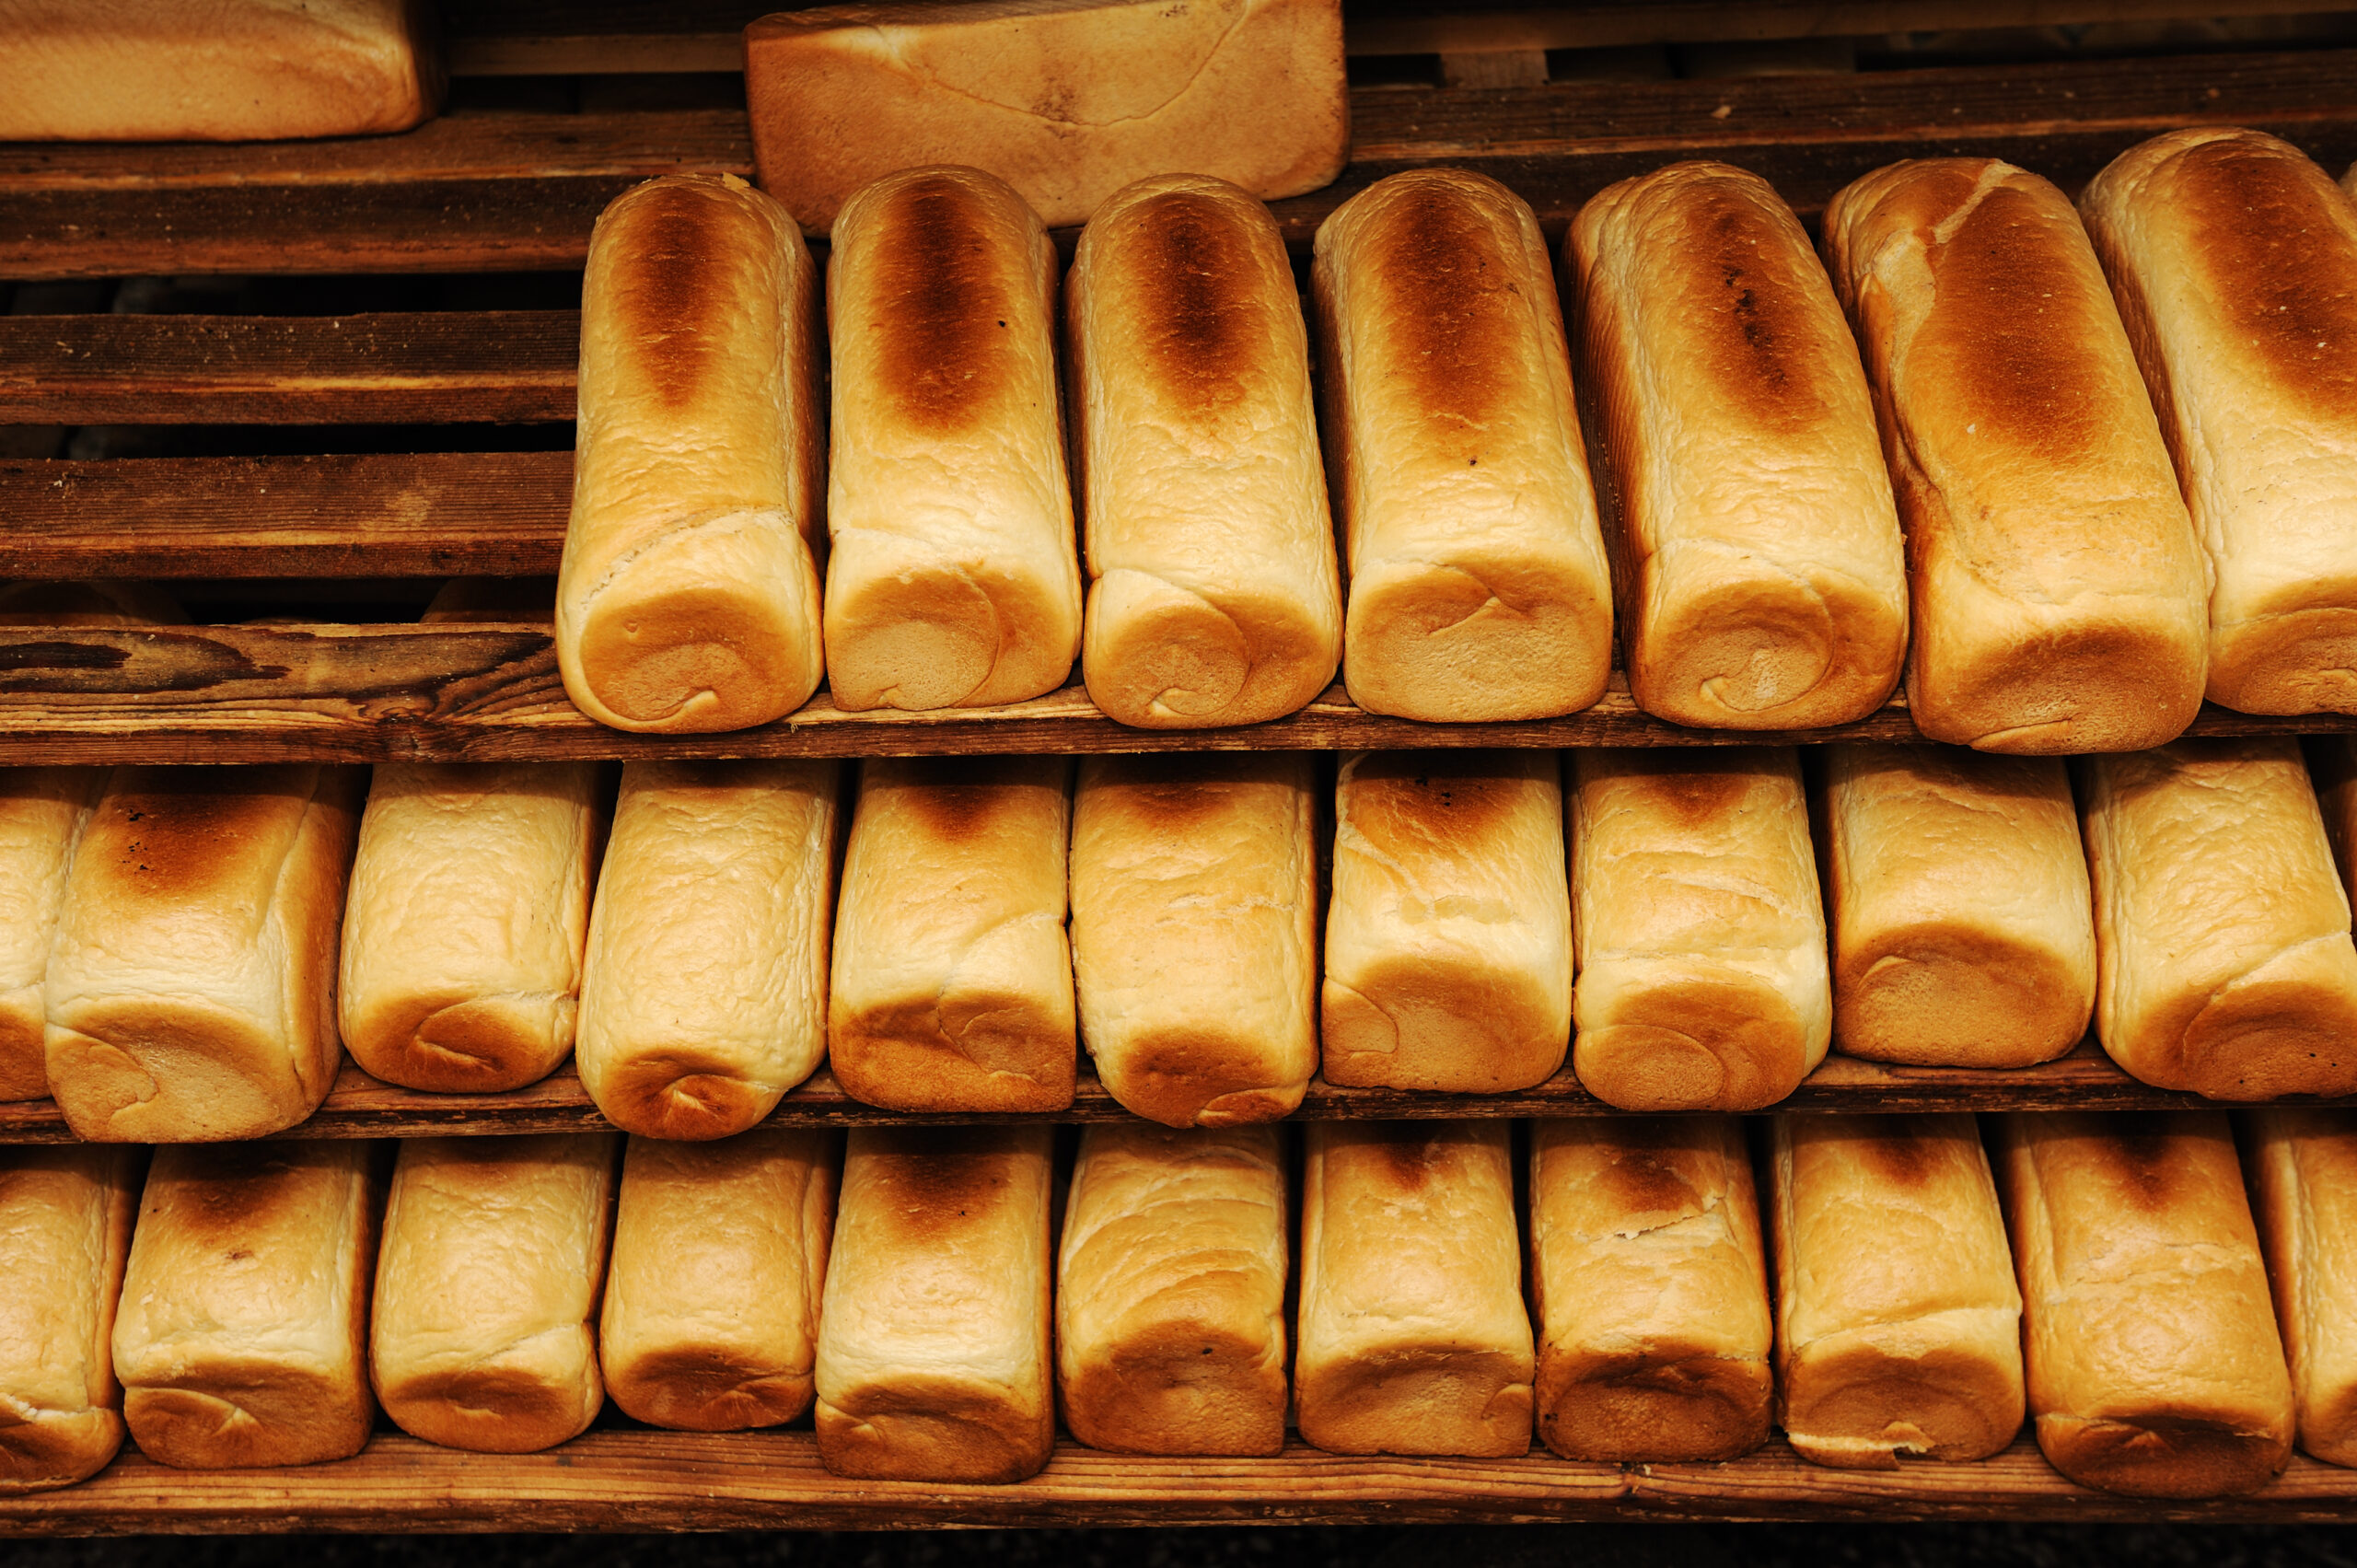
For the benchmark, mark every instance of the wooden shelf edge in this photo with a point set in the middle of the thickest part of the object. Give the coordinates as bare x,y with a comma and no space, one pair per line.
657,1480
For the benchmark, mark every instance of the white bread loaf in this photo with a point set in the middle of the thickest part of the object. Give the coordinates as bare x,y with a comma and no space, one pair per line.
241,1338
1194,917
1762,579
711,1318
1414,1339
1170,1290
952,984
1212,595
1478,588
1702,981
933,1344
2301,1168
1448,939
42,813
703,991
1899,1326
2234,263
953,579
1957,898
2060,598
2154,1364
229,71
1068,101
688,599
2222,929
65,1232
485,1336
191,989
1650,1289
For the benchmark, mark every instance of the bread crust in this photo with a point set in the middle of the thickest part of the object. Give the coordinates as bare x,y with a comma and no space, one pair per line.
952,987
688,597
2234,263
1194,911
1650,1289
242,1333
1448,936
2299,1164
1413,1335
933,1346
2224,962
2153,1362
703,991
65,1234
1478,588
483,1335
710,1314
1701,941
1214,597
1069,101
1761,576
2060,598
1170,1290
41,814
1957,894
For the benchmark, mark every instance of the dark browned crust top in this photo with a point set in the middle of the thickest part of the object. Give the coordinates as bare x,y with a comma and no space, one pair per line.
942,334
673,286
1457,318
1196,281
176,833
1751,305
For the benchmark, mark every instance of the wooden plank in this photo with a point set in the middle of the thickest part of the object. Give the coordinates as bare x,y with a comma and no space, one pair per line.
625,1479
400,515
445,367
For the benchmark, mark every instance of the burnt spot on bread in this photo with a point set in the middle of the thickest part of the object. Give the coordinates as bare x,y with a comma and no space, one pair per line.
1196,278
675,285
1901,1153
1468,790
2143,1160
945,1175
174,833
1460,317
1411,1154
2283,273
233,1193
940,329
1754,305
1646,1179
1693,798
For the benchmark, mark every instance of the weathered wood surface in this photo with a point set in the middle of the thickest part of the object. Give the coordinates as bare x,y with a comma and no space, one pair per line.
398,514
511,191
362,1106
631,1480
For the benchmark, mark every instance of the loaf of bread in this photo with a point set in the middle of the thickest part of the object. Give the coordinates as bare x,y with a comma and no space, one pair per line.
1170,1290
1448,940
1414,1339
487,1291
1899,1326
64,1229
229,71
1763,578
2060,599
42,813
1478,587
1650,1289
1958,903
1068,102
242,1333
2301,1168
2222,929
1212,595
2154,1364
1194,922
688,599
710,1320
468,905
704,994
952,986
933,1344
1702,981
190,988
954,580
2234,263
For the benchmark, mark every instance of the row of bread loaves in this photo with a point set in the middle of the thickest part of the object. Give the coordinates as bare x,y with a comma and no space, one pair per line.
2139,1332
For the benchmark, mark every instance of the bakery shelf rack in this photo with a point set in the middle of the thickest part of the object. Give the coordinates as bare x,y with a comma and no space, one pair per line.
558,108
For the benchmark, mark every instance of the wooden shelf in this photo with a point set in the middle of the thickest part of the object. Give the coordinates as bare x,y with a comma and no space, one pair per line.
363,1107
638,1479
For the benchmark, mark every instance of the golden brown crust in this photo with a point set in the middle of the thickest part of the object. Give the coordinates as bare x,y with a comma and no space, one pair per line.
2302,1168
65,1232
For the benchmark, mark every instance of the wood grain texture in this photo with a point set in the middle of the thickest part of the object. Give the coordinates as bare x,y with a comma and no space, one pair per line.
427,515
615,1480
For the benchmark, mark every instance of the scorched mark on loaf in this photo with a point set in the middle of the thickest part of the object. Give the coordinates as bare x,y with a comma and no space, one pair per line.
1196,280
244,1187
1698,799
1898,1152
185,839
673,278
1413,1155
1643,1182
1999,332
2146,1163
941,323
1751,305
2286,277
1457,314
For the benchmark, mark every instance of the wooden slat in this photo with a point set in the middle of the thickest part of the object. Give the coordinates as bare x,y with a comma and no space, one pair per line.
627,1479
375,693
445,367
400,515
